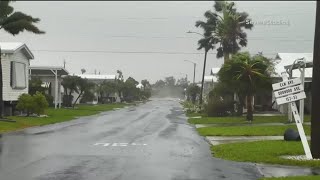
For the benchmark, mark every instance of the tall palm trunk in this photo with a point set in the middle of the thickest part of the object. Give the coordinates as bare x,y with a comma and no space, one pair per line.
1,88
249,107
315,89
203,72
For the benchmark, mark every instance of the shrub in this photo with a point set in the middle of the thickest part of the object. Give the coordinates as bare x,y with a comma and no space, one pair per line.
25,103
40,103
49,99
219,107
32,104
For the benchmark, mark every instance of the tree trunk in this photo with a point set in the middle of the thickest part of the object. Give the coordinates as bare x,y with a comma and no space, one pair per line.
226,57
315,89
77,99
249,108
1,88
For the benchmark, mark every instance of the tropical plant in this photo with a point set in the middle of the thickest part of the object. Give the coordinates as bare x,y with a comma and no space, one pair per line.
14,23
69,84
246,75
225,27
82,85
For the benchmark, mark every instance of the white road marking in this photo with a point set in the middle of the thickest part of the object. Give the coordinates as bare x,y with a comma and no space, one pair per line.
118,144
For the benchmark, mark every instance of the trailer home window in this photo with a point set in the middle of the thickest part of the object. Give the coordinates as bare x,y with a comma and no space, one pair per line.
18,75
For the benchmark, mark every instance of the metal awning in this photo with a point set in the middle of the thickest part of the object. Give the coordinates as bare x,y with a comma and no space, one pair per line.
50,71
47,70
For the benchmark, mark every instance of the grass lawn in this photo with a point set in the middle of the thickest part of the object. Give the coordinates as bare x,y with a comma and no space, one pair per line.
263,152
242,120
294,178
248,130
55,116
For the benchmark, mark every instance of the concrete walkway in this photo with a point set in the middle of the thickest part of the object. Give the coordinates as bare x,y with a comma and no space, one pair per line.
216,140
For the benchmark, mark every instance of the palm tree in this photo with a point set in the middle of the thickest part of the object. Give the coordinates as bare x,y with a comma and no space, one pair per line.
225,26
206,43
247,75
14,23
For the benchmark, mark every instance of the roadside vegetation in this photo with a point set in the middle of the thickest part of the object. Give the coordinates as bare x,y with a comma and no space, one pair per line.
56,116
241,78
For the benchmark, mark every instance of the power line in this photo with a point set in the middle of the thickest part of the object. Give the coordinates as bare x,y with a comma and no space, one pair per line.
126,52
118,52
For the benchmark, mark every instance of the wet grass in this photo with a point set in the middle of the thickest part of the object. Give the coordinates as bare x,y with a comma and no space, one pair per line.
56,116
263,152
241,119
293,178
248,130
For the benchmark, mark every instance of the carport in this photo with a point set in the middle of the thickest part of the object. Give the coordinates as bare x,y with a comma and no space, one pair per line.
52,75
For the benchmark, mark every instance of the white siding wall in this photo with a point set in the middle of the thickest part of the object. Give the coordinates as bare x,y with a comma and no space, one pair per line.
10,94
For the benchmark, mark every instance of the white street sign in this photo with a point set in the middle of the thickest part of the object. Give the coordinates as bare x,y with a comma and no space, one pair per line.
288,91
291,98
289,95
285,84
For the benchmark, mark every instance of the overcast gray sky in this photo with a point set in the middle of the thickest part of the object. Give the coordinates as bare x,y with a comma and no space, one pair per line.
155,31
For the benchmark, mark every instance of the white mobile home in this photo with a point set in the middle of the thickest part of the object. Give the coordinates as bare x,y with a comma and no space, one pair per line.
15,59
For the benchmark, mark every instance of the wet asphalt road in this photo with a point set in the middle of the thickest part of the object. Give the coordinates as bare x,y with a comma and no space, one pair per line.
151,141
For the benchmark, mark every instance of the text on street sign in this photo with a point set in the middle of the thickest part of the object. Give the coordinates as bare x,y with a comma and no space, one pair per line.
288,91
285,84
291,98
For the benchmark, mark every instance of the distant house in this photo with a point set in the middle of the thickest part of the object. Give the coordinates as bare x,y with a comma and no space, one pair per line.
98,79
51,77
15,59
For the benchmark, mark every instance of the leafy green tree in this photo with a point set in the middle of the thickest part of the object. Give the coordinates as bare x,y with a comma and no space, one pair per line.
159,84
69,84
14,23
183,82
170,81
82,85
225,27
193,91
40,103
246,75
35,85
130,91
26,103
146,84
